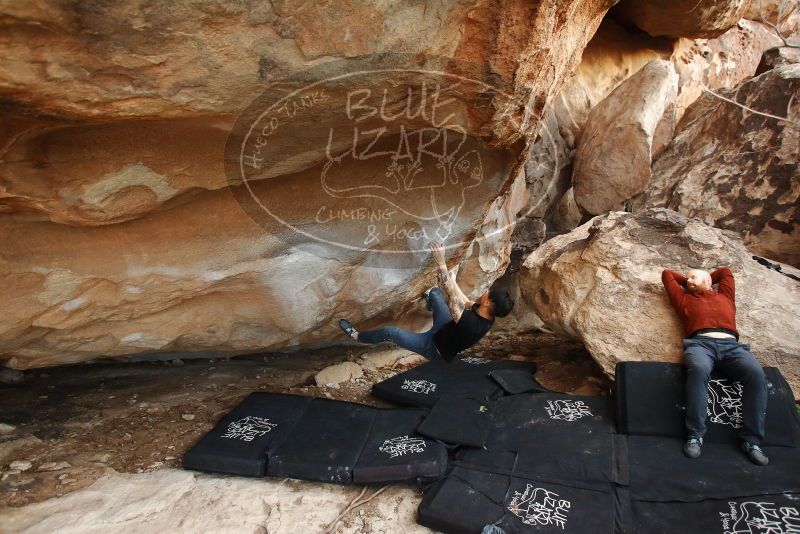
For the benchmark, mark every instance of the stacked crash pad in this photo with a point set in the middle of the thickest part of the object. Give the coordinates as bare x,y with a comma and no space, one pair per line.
721,491
650,402
551,462
526,459
477,378
557,463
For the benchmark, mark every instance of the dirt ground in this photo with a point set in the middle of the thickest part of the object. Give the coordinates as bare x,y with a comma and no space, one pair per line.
74,424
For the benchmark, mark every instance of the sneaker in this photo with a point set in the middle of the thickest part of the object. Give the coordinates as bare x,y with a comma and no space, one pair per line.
755,453
349,329
427,301
692,447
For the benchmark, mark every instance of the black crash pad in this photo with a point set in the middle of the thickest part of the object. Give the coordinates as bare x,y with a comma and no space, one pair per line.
760,514
563,456
318,439
394,452
515,381
487,365
458,421
513,414
237,444
466,377
650,400
659,471
325,444
468,499
515,422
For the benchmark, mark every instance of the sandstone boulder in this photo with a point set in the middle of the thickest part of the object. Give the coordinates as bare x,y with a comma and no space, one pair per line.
123,232
613,55
601,284
623,134
683,18
736,169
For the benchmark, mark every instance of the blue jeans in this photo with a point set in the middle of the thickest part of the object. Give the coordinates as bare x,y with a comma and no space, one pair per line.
733,360
421,343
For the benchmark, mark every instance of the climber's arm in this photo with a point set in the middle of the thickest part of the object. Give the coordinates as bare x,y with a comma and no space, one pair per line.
674,284
455,298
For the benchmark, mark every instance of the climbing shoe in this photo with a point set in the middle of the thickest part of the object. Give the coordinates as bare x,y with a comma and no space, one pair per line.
349,329
692,447
755,453
426,298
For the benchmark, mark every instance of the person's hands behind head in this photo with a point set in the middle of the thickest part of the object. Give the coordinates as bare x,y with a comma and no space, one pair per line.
438,254
697,281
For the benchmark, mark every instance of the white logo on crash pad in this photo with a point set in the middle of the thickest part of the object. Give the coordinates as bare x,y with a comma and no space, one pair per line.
567,410
753,517
402,445
418,386
538,506
725,402
248,428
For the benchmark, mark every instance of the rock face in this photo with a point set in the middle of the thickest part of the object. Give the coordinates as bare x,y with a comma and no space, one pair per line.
720,63
132,224
683,18
180,501
778,57
736,169
625,131
601,284
782,14
612,56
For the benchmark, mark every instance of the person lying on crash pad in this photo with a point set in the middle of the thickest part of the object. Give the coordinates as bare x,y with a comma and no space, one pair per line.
712,342
458,323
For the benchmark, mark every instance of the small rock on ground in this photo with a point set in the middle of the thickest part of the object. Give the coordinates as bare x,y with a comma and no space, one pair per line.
336,374
20,465
11,376
54,466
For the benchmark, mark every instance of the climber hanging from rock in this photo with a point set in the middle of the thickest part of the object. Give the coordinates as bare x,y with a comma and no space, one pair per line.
458,323
712,342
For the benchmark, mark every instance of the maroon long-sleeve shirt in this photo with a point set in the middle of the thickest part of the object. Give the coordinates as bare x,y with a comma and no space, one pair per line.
709,308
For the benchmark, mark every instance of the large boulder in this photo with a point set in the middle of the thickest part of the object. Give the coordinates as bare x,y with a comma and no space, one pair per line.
683,18
131,225
623,134
601,284
613,55
735,166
